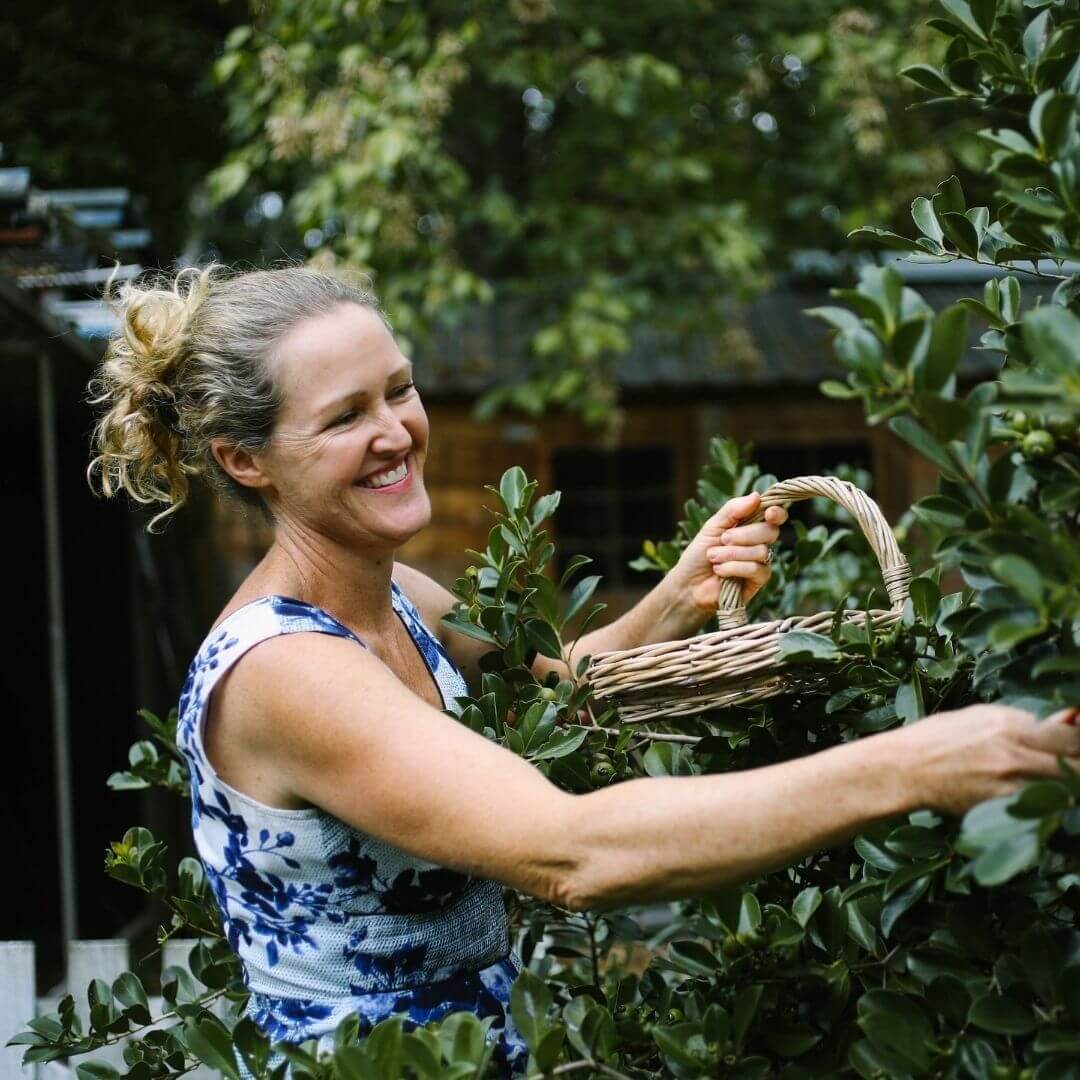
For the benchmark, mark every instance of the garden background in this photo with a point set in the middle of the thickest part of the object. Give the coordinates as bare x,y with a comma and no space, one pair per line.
598,228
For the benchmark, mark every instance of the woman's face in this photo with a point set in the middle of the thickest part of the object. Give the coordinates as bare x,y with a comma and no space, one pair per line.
350,420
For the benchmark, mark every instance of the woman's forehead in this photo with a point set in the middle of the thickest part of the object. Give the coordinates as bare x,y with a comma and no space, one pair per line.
348,348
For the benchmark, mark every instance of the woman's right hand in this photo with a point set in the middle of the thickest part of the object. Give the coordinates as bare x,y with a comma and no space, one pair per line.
983,751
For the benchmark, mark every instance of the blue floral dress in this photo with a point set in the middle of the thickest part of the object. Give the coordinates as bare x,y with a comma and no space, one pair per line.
327,920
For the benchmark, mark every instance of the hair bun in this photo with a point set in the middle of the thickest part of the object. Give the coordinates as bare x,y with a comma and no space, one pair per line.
139,438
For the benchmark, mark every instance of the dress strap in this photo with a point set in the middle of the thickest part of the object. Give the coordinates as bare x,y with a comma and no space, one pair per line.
245,628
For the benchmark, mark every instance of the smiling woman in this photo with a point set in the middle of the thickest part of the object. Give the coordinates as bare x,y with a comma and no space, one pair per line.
356,835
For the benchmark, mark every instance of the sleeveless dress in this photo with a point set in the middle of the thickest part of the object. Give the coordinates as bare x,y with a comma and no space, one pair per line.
327,920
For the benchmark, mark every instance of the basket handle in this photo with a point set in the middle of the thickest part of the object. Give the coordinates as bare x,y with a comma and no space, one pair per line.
894,567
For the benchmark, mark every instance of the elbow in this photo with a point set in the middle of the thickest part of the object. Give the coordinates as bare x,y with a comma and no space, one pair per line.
576,885
568,892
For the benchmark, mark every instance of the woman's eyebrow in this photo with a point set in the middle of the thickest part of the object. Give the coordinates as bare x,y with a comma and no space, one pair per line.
404,372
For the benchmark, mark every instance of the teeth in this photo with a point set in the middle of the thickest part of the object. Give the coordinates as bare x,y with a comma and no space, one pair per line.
384,479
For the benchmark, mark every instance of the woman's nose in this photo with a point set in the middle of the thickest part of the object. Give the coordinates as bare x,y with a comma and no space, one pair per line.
393,436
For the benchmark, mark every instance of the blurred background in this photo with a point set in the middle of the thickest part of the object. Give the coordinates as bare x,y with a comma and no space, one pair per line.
595,226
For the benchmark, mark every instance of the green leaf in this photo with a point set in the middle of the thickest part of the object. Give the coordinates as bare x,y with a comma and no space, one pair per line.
1039,798
1036,35
511,486
925,598
1016,572
530,1001
562,742
746,1006
1052,337
961,12
922,213
832,388
211,1043
543,638
749,913
909,699
806,903
948,339
838,317
901,903
929,78
1001,1015
129,992
1053,120
1005,859
886,239
693,958
962,233
579,597
949,197
913,433
895,1023
800,645
96,1070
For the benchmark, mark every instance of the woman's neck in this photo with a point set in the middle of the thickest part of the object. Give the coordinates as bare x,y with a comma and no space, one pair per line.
353,586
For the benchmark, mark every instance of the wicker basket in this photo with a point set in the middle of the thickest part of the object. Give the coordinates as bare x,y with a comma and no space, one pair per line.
738,664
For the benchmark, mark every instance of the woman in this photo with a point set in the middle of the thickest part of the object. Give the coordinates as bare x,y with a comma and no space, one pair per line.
355,836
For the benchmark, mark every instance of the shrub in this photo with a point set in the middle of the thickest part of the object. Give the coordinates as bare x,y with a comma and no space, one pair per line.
926,947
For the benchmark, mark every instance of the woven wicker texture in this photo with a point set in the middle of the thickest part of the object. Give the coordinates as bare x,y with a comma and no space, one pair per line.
739,663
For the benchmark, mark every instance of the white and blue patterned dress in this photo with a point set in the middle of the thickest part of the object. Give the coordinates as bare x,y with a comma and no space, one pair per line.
327,920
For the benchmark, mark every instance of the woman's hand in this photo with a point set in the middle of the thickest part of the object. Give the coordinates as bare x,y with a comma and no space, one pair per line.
962,757
724,548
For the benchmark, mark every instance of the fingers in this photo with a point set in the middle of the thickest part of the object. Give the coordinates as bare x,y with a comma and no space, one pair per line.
1034,763
758,553
1054,735
734,510
760,532
754,571
1071,715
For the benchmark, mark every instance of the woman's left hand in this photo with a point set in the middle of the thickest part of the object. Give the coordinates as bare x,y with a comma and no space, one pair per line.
724,548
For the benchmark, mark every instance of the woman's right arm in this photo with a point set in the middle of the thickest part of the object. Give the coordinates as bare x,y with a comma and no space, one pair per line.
339,730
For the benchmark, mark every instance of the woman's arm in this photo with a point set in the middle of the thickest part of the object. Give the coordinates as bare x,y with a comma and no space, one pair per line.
675,608
337,729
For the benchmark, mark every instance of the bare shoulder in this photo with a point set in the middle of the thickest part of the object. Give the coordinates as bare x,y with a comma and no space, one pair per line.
290,687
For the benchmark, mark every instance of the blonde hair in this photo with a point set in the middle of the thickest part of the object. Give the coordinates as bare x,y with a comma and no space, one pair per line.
188,364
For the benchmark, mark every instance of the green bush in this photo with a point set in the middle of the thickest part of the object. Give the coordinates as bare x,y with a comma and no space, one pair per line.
926,947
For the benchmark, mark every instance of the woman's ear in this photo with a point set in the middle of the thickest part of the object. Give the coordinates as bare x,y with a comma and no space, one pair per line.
240,464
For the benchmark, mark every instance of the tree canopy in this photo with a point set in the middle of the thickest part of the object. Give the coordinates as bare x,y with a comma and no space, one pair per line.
606,163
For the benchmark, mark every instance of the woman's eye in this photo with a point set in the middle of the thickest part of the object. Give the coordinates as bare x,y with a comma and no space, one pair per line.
343,419
402,390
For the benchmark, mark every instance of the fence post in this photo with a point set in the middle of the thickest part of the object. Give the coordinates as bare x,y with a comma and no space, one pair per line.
105,960
16,1004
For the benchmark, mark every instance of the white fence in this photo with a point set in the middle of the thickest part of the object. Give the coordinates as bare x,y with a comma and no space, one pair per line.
86,960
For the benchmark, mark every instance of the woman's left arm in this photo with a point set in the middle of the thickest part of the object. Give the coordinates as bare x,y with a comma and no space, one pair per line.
681,603
678,605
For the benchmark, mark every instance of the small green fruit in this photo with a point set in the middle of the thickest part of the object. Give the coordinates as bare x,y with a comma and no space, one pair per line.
1018,420
674,1015
601,772
1037,444
1061,425
895,665
732,946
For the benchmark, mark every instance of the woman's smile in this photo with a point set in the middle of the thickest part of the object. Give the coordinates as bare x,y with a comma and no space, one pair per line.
390,480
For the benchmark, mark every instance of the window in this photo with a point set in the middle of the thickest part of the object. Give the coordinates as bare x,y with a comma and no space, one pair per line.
785,461
612,500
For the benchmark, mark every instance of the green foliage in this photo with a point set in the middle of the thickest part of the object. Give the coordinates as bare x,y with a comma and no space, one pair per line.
924,948
591,168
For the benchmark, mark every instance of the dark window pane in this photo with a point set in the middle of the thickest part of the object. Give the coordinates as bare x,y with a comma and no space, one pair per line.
612,500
